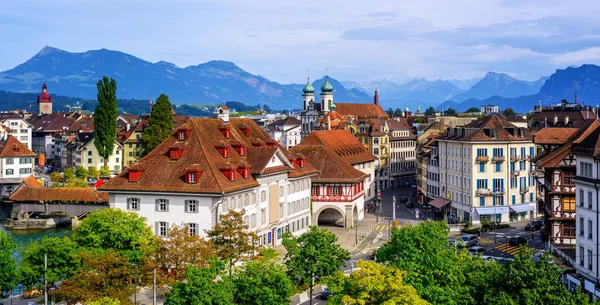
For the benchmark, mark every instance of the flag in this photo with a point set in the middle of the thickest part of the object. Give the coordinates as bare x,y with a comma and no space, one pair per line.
150,102
98,183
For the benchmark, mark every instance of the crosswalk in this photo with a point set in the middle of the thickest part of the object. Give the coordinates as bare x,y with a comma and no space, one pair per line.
382,228
485,241
512,250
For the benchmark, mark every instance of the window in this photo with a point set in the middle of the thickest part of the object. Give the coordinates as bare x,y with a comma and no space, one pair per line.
10,161
23,138
481,152
590,260
498,200
89,160
590,227
315,190
498,185
263,195
581,232
192,177
117,153
191,206
162,227
482,201
568,204
581,255
531,197
513,199
133,204
531,152
263,216
482,167
162,205
586,169
568,177
581,198
193,229
568,230
589,200
10,172
522,152
513,183
498,167
375,140
376,151
498,152
89,153
482,184
281,210
24,171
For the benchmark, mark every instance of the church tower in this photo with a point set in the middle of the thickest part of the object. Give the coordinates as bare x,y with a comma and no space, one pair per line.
44,101
326,95
308,94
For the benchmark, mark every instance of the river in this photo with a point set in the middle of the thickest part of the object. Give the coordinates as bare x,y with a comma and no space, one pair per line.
24,237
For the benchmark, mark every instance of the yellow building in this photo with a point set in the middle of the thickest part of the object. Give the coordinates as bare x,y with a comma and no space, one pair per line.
133,146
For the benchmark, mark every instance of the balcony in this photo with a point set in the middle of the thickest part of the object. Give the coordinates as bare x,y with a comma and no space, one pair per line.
515,173
524,190
514,158
498,191
498,158
483,159
483,192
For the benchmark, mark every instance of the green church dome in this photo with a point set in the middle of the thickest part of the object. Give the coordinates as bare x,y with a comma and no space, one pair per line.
327,87
308,89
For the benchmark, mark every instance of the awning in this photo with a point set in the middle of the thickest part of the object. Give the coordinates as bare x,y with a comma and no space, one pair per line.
521,208
492,210
439,202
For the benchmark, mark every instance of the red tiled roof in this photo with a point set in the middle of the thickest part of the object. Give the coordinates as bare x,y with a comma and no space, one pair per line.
332,169
31,182
11,147
64,194
549,136
163,174
556,135
360,110
342,142
497,124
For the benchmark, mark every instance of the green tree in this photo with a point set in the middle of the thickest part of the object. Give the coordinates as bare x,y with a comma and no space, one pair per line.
9,277
122,231
105,118
450,112
438,274
104,301
56,176
61,252
160,124
390,112
398,112
81,172
372,284
508,111
262,282
202,287
232,240
93,173
430,111
103,274
104,171
472,109
69,174
313,255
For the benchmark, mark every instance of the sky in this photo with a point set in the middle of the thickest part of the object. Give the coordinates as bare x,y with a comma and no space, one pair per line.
286,40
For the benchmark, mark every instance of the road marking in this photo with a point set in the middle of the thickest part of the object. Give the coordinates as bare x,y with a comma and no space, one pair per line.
382,228
513,250
485,241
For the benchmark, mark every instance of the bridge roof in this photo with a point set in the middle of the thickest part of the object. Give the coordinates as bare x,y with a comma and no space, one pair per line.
62,194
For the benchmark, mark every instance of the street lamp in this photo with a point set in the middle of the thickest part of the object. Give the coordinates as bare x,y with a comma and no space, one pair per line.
134,284
52,290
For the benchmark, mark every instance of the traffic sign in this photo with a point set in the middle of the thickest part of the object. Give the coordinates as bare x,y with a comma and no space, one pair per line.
417,212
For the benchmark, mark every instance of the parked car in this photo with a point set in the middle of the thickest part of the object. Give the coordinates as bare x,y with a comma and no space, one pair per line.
324,295
409,204
452,242
468,240
477,250
534,225
517,241
404,199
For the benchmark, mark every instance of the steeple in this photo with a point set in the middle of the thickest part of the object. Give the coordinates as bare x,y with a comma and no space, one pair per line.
326,95
308,94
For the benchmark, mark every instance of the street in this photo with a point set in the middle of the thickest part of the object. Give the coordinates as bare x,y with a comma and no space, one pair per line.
496,243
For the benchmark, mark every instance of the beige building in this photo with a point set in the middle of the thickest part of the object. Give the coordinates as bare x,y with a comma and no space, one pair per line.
486,171
87,156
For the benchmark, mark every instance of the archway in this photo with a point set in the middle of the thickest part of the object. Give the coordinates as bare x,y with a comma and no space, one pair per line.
330,216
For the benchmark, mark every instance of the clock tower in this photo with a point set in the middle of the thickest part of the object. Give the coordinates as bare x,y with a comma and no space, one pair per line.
44,101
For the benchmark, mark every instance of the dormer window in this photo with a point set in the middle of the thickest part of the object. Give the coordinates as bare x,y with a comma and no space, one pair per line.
193,173
225,130
240,148
271,143
192,177
176,150
135,173
244,169
246,130
223,149
181,136
183,133
228,170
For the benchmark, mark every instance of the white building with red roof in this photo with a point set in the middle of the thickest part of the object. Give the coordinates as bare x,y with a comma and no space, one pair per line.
210,166
16,163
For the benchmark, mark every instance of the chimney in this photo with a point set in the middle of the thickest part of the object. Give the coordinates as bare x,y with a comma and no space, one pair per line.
376,98
222,113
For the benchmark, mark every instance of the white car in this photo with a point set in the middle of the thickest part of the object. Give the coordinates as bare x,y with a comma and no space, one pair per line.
477,250
468,240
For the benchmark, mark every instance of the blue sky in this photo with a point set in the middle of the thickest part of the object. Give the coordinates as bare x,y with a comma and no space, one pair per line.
355,40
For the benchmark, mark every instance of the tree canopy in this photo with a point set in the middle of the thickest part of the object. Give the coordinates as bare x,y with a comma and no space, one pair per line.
9,277
62,262
372,283
160,124
450,112
508,111
262,282
430,111
232,240
105,118
202,287
472,109
122,231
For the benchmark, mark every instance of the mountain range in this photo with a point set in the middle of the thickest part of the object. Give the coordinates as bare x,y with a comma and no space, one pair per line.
76,74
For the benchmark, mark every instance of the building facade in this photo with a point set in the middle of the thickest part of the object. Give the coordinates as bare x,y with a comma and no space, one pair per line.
16,163
210,166
486,171
17,126
87,155
286,131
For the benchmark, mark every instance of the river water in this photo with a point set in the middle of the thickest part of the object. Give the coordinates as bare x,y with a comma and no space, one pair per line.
24,237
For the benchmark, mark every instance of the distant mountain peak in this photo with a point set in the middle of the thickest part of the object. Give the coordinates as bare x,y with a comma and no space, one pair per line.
47,50
220,64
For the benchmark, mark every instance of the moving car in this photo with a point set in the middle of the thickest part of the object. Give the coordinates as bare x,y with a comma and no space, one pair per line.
325,293
477,250
534,225
517,241
468,240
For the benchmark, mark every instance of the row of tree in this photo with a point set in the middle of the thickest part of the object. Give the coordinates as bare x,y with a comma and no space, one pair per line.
430,111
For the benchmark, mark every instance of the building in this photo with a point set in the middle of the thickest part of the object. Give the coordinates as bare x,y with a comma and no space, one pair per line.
286,131
486,171
16,163
87,155
46,129
565,114
133,143
209,166
488,109
44,101
403,149
17,126
423,153
587,180
337,192
351,151
556,165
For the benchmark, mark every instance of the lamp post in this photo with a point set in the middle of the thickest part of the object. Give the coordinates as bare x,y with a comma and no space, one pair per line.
154,287
52,291
45,279
356,232
134,285
389,219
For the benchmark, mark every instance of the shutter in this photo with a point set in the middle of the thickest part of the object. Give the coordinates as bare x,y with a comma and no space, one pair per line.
128,204
167,208
156,228
156,205
186,205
